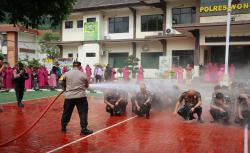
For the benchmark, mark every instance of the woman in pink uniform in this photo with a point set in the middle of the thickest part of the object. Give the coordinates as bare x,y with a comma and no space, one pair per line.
180,75
88,71
46,76
140,74
41,80
125,73
232,72
113,72
28,82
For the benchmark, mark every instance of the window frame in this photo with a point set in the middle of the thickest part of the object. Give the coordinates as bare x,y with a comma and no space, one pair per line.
192,13
68,22
150,54
78,21
114,22
89,19
90,54
159,27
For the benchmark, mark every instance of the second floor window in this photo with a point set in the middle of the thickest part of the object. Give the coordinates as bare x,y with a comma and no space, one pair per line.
91,19
68,24
79,23
152,22
118,24
184,15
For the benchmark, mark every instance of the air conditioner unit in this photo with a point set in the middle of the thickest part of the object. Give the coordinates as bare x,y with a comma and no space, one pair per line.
106,37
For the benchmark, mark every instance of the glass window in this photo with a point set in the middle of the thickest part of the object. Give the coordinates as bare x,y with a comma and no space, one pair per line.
150,60
152,22
118,24
118,60
68,24
79,23
183,57
91,19
183,15
70,55
90,54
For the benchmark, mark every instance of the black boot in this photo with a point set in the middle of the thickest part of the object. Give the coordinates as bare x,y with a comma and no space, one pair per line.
86,131
20,104
63,129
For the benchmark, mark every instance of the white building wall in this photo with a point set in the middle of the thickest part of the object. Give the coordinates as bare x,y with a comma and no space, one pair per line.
180,44
141,12
68,49
28,41
89,48
73,34
117,13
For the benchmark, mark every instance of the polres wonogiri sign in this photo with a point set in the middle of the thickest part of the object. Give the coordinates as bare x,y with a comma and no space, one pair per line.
219,7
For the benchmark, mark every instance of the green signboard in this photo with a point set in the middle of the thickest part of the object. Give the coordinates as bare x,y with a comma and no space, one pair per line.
219,7
91,31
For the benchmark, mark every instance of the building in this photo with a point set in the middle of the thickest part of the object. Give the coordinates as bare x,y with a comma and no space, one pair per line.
18,43
190,31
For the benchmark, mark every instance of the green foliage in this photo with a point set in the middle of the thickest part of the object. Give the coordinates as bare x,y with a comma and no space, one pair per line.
35,12
34,63
133,64
48,45
1,56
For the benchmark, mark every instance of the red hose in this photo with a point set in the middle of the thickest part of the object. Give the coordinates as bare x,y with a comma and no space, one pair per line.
28,129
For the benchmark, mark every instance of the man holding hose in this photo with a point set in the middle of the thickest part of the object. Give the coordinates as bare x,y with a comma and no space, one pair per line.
75,83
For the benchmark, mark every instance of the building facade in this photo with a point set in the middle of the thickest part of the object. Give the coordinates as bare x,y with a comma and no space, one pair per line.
18,43
188,32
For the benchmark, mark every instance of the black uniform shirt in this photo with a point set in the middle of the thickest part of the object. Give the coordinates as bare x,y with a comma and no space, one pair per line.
112,97
141,98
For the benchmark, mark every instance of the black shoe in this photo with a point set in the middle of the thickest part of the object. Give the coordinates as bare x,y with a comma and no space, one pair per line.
1,110
191,117
148,116
20,104
86,131
63,130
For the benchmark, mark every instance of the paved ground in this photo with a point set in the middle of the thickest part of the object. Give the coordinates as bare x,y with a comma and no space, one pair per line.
162,133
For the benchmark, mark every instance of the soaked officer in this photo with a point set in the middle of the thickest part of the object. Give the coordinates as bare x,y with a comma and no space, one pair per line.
142,102
191,101
243,110
116,102
220,109
75,83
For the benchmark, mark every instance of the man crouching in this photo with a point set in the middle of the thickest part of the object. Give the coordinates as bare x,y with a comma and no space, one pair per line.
192,104
116,102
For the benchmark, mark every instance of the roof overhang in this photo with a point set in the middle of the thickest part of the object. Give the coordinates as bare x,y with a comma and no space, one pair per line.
187,28
17,28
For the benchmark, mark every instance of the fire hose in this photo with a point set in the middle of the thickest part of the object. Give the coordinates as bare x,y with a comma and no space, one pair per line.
34,123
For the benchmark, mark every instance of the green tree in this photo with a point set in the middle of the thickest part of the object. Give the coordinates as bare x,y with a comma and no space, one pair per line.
35,12
133,64
48,45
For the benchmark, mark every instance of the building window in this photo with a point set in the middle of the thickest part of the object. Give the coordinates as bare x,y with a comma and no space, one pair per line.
183,57
118,60
79,23
184,15
90,54
68,24
91,19
70,55
150,60
118,24
152,22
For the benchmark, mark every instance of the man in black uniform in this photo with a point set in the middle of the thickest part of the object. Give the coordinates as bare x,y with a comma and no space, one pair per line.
220,109
192,104
243,110
116,102
75,83
19,81
142,102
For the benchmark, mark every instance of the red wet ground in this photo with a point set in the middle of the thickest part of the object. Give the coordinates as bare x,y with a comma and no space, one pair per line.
162,133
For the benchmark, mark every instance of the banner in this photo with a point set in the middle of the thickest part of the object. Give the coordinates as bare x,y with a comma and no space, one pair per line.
219,7
91,31
165,63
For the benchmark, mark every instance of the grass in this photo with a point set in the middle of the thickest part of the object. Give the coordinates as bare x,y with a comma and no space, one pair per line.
11,97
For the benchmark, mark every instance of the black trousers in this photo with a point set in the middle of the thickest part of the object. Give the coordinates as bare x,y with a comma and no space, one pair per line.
98,78
145,109
19,89
119,109
82,107
218,115
187,114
